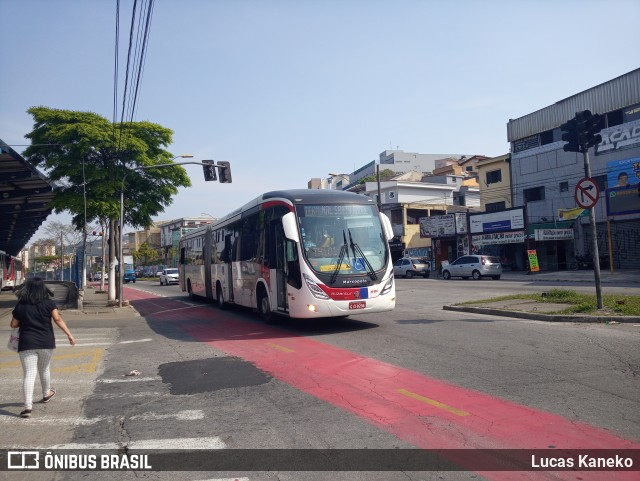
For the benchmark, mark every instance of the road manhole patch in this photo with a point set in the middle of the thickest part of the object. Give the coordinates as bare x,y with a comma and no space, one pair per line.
208,375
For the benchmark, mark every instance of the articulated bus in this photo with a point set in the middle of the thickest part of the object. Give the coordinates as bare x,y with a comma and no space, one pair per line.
297,253
11,273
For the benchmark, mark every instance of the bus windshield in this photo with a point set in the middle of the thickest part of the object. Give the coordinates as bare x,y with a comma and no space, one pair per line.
339,239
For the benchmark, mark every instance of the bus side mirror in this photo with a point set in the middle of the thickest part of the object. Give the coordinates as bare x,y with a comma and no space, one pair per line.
386,226
290,227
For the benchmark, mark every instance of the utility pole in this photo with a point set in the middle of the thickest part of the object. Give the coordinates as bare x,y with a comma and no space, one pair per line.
379,194
580,133
61,258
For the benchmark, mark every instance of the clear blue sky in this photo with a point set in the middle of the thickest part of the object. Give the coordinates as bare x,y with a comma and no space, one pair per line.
288,90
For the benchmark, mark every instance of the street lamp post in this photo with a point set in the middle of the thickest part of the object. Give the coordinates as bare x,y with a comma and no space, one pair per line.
121,236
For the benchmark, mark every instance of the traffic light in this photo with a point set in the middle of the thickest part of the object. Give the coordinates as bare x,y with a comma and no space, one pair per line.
209,170
225,172
570,135
96,232
582,131
593,124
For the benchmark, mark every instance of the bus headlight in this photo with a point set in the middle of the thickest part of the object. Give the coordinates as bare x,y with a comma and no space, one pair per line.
314,288
387,287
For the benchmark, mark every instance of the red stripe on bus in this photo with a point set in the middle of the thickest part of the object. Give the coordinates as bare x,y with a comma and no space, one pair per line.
341,293
275,203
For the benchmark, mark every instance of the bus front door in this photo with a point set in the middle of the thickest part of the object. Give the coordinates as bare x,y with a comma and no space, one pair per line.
281,266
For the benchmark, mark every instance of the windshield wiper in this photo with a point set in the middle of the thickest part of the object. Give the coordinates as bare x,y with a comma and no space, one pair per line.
355,248
344,250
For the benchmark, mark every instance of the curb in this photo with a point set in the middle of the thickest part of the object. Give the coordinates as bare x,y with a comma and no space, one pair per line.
543,317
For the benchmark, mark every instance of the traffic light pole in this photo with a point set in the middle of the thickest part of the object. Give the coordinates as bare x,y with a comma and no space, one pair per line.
594,238
221,165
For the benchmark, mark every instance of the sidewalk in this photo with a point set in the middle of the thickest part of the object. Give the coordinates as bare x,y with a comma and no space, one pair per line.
522,309
582,276
94,307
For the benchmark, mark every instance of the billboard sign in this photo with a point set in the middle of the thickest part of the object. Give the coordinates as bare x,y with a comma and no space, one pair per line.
623,200
447,225
506,220
623,173
497,238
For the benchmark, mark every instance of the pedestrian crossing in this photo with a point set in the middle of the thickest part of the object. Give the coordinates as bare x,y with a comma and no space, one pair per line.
82,379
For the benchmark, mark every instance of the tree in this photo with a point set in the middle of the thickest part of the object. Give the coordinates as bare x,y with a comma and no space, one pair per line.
63,141
386,174
83,149
145,254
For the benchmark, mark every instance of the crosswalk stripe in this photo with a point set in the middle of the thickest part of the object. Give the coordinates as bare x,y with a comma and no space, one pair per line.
169,443
188,415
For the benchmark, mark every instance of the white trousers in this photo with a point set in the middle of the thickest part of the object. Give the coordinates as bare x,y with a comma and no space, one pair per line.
35,361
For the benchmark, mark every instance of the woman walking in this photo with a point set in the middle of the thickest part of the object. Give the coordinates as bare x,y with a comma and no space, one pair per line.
33,315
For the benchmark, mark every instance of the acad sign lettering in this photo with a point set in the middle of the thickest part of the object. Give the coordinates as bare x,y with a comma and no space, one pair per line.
620,137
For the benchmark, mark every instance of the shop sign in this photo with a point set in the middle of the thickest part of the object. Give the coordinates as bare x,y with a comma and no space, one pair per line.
461,223
497,238
572,214
438,226
396,244
553,234
511,219
623,200
533,261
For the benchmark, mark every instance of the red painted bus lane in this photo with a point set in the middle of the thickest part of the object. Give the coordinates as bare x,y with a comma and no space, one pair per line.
421,410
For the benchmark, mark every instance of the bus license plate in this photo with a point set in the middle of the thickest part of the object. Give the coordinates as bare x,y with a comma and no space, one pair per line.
357,305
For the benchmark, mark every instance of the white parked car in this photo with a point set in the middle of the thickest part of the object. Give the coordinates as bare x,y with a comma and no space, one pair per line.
169,276
411,266
476,266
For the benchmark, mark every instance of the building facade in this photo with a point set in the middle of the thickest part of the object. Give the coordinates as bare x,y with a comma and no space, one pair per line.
494,178
170,233
544,177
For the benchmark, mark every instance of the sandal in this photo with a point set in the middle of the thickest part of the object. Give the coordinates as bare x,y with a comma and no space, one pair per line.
26,413
46,399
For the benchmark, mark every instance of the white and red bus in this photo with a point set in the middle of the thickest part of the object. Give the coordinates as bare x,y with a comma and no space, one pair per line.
298,253
11,272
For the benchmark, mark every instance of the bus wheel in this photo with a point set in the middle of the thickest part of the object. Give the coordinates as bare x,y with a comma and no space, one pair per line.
264,308
220,298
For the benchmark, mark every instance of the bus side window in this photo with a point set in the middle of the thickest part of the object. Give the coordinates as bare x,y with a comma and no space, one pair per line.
182,255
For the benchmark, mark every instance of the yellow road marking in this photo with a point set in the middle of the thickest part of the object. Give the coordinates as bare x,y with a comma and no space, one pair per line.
91,366
279,348
432,402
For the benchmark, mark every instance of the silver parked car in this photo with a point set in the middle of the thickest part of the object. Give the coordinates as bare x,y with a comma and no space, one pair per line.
169,276
476,266
411,266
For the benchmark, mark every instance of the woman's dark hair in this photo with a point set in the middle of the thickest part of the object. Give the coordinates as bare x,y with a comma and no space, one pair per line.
34,291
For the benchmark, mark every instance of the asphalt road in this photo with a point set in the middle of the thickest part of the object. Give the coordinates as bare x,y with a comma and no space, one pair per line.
416,377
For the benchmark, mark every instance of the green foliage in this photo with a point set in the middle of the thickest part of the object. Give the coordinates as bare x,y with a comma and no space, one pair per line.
63,141
145,255
576,303
385,174
46,259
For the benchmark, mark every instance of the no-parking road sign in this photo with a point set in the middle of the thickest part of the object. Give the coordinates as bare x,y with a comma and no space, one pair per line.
587,193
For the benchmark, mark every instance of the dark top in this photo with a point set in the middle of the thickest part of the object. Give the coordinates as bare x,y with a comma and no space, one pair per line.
36,327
